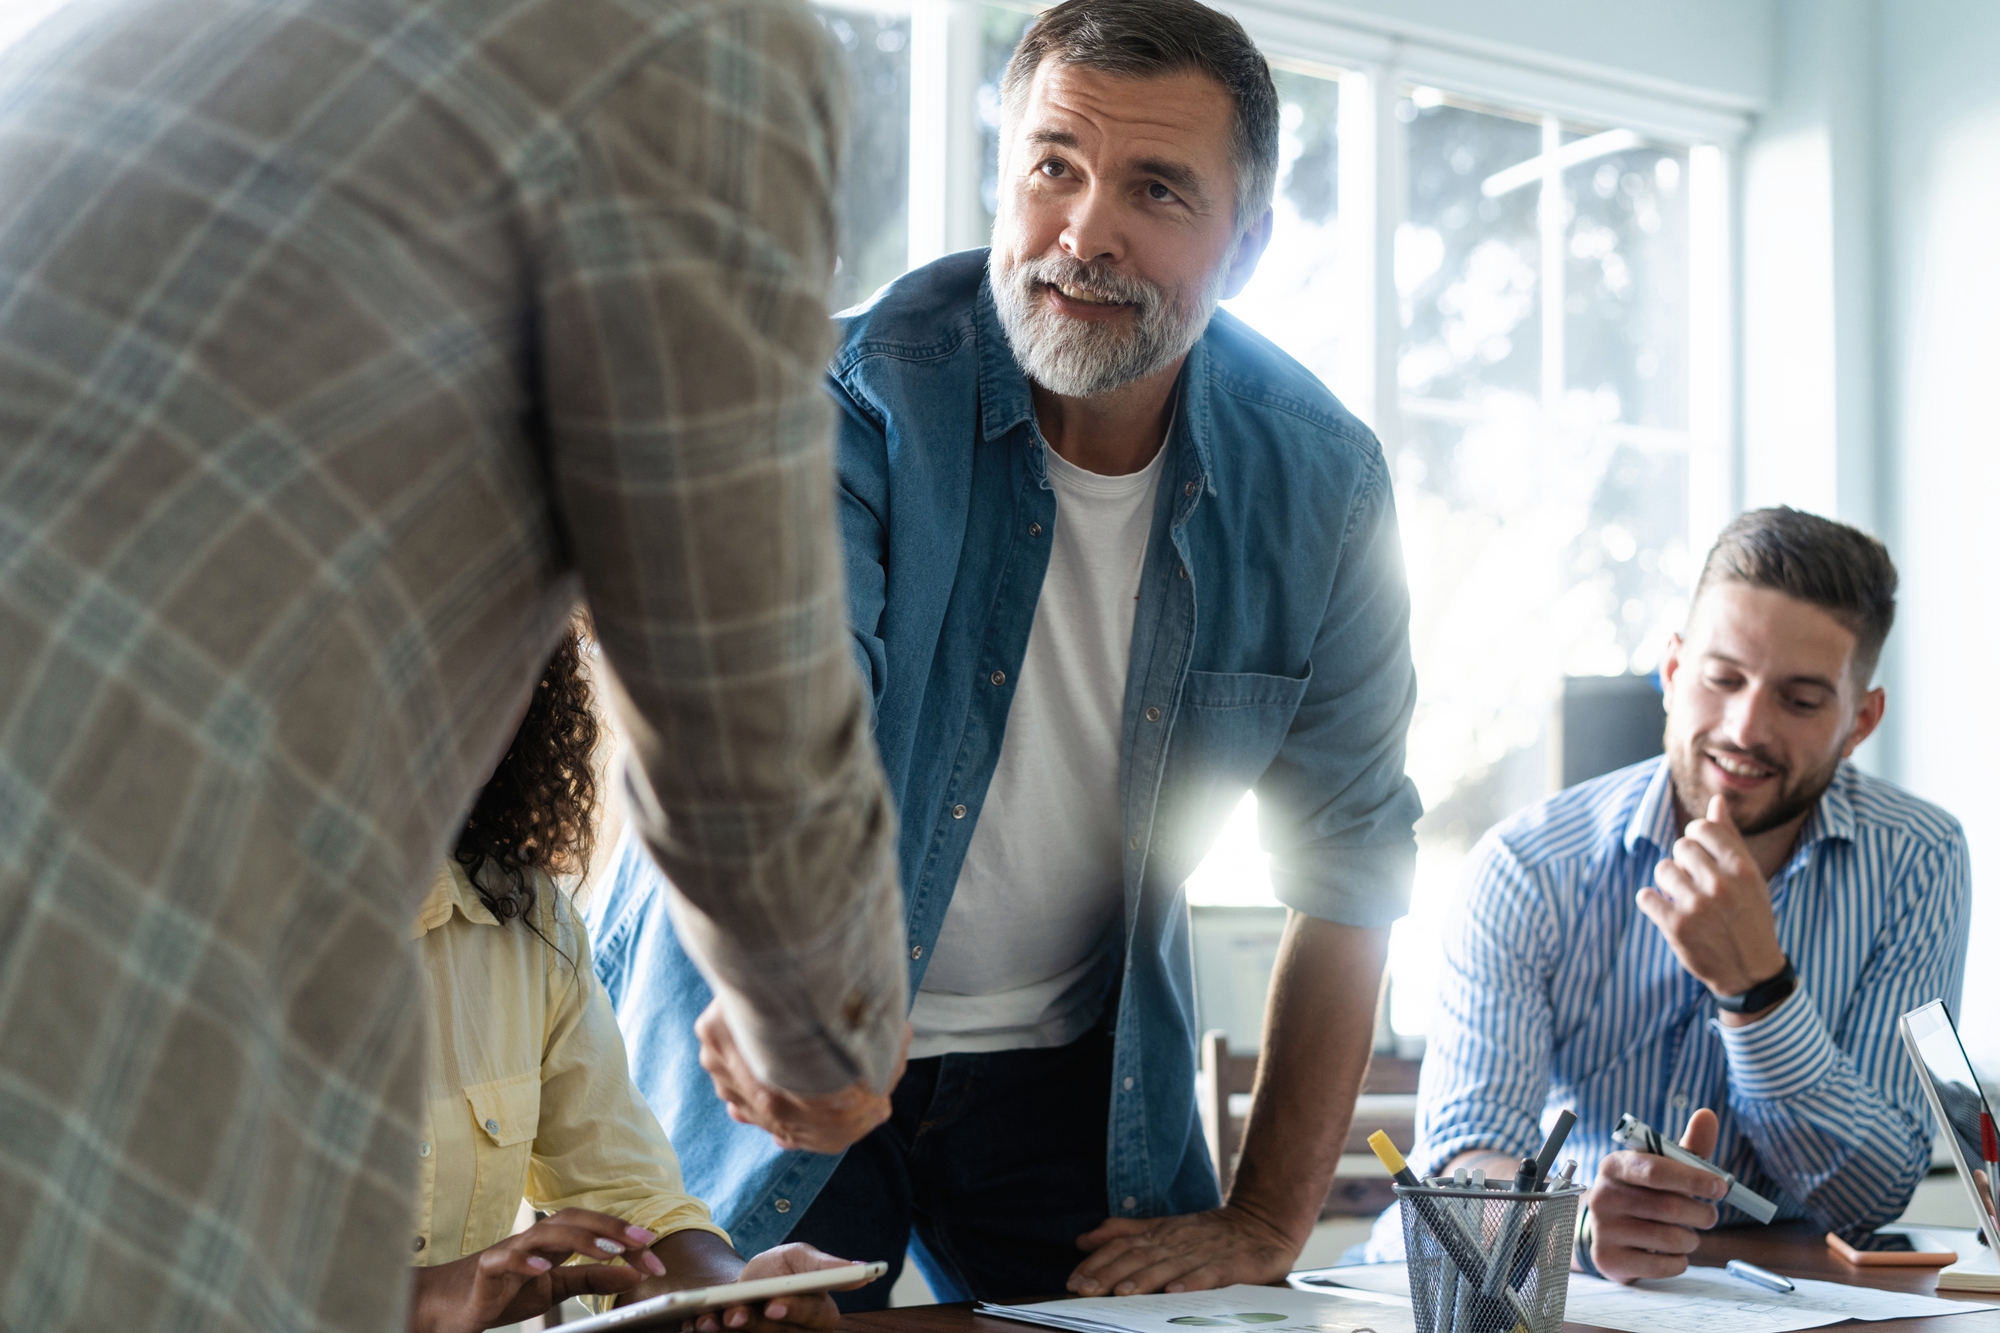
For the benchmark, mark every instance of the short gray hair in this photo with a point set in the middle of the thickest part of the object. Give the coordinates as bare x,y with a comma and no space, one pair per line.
1147,38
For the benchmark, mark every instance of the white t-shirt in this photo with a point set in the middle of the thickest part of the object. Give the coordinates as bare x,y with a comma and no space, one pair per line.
1024,956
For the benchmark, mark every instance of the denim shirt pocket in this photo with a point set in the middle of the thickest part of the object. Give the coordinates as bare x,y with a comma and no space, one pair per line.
1228,729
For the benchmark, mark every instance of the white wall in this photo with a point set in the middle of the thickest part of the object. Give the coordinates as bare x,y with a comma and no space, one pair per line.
1871,340
1939,221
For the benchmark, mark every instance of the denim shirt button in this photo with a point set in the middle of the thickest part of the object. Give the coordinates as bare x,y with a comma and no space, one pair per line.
958,812
1152,715
1034,529
1133,843
1129,1081
916,951
783,1205
1191,488
1130,1203
998,678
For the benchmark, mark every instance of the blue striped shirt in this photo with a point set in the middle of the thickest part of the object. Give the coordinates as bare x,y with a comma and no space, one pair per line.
1558,992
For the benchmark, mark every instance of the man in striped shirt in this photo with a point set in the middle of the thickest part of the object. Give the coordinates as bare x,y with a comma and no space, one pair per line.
1736,926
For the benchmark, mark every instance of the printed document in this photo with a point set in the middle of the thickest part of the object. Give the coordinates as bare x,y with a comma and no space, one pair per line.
1701,1300
1239,1309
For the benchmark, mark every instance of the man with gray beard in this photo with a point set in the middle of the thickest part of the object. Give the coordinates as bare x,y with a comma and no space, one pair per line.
1112,559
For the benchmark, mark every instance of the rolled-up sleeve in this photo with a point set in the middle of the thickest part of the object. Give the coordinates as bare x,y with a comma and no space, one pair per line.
1336,810
684,286
597,1144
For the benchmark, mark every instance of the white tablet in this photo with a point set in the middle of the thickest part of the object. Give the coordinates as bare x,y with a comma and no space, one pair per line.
1950,1086
669,1310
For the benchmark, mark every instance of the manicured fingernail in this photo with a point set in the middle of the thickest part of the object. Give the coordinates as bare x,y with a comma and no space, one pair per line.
641,1235
775,1310
539,1264
652,1263
608,1245
737,1318
1125,1288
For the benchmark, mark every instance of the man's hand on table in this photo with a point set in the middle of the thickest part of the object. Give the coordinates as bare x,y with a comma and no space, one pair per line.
1195,1252
828,1124
1647,1212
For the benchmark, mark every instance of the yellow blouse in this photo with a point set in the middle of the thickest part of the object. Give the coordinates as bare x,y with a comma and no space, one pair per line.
529,1092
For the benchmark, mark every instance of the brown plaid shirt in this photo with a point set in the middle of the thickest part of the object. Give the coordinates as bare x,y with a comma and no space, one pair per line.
343,345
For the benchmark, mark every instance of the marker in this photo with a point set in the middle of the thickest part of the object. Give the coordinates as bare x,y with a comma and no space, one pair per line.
1989,1148
1552,1145
1639,1136
1761,1277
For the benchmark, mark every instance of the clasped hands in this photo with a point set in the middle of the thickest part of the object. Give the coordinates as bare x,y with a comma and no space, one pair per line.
1713,905
829,1123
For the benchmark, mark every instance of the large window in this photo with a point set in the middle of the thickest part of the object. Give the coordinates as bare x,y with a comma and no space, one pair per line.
1522,301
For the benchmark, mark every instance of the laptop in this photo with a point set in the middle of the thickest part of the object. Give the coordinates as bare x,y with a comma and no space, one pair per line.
1956,1101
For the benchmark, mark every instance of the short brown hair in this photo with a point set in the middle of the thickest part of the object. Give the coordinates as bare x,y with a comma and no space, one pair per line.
1838,568
1147,38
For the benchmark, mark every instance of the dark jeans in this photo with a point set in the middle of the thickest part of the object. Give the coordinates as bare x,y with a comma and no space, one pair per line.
997,1164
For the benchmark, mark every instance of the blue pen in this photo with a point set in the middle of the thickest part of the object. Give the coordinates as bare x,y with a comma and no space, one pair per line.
1762,1277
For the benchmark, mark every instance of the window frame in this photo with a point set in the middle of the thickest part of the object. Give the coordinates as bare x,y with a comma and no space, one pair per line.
1373,65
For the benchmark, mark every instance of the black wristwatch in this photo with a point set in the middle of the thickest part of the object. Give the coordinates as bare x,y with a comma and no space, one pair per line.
1762,995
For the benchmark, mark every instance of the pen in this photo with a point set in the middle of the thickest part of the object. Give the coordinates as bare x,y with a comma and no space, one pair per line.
1639,1136
1508,1253
1760,1276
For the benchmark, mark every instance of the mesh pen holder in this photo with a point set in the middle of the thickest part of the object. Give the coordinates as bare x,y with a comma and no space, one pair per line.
1488,1260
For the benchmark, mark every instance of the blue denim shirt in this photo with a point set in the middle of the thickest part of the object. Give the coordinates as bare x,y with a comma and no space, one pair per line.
1270,650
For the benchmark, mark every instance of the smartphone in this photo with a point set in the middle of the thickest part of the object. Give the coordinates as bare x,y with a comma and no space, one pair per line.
667,1312
1901,1249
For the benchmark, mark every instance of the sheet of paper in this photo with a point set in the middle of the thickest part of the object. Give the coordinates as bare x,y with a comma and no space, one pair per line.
1238,1309
1386,1279
1708,1300
1702,1300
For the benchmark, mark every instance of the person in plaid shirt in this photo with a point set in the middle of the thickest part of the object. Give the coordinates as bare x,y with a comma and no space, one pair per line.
345,346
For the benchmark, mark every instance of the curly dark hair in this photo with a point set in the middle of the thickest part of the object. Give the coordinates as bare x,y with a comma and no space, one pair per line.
539,809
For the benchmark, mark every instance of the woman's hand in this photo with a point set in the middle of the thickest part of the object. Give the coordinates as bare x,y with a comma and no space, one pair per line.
781,1314
525,1275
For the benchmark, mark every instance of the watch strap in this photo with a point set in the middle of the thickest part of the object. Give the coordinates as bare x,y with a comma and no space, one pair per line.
1762,995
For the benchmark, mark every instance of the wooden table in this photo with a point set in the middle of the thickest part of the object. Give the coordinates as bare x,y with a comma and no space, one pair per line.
1793,1249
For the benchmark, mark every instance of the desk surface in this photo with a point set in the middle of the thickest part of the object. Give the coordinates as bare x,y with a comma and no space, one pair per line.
1794,1249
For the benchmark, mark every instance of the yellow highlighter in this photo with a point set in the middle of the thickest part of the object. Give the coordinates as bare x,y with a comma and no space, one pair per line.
1393,1160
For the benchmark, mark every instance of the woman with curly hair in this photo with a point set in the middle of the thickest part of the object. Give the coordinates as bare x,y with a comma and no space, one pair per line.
529,1091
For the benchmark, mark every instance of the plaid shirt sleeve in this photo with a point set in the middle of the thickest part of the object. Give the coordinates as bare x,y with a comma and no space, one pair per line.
683,294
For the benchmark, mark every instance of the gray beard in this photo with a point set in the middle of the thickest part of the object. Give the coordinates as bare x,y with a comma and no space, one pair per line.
1080,359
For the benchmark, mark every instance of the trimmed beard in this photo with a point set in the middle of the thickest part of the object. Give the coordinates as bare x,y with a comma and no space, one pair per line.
1082,359
1795,796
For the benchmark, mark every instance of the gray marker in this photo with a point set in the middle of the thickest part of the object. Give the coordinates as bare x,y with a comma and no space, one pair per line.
1639,1136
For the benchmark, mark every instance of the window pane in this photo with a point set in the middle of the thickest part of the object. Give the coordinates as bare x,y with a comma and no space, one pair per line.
875,195
1467,265
1000,29
1297,290
1544,517
1627,278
